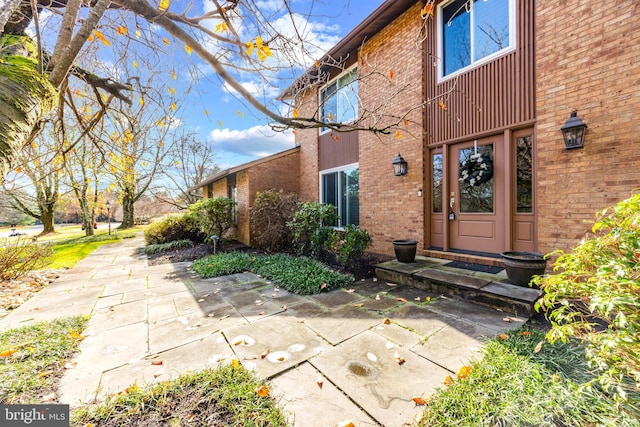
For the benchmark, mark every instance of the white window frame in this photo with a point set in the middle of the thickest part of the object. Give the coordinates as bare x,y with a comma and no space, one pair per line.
335,80
488,58
321,187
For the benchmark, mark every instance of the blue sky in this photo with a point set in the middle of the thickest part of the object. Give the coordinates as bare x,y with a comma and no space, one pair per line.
237,133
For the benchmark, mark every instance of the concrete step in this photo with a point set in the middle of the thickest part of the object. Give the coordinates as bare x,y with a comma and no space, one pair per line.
490,290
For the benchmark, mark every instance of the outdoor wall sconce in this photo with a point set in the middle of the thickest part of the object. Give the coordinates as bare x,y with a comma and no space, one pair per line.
573,131
399,165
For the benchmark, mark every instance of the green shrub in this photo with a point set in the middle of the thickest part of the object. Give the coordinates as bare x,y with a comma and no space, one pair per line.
310,227
348,245
270,213
173,227
301,275
20,255
164,247
213,216
595,296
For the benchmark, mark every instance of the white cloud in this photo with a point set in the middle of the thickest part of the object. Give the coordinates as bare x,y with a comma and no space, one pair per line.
257,142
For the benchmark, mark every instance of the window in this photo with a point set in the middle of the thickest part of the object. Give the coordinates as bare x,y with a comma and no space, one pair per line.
341,189
437,183
524,175
472,31
339,99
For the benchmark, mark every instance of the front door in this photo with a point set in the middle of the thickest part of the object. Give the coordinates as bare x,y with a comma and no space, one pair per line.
476,213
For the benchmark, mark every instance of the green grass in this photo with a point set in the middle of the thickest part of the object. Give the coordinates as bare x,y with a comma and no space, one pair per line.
226,396
513,385
33,358
68,252
301,275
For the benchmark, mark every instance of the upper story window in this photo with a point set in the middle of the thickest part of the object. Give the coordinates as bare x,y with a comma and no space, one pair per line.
473,31
339,99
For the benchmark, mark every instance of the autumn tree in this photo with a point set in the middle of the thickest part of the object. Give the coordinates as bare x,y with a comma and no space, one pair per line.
190,161
232,37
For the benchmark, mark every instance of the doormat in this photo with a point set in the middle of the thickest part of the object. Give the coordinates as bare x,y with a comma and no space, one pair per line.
474,267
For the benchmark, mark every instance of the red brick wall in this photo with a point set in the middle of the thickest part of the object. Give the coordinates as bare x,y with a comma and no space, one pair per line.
307,105
592,66
390,207
243,186
219,189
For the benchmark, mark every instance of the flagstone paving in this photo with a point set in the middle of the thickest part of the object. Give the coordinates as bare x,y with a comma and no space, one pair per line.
360,354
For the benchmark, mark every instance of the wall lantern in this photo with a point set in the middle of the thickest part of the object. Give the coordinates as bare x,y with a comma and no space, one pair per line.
399,165
573,131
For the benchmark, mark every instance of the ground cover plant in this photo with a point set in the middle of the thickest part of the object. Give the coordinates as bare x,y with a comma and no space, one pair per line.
33,359
227,396
522,380
301,275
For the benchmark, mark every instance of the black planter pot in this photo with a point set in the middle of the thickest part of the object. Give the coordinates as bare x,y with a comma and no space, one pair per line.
522,266
405,250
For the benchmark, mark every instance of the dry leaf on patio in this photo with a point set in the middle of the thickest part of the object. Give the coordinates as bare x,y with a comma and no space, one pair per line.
386,321
416,299
401,299
323,286
225,316
377,297
259,302
399,358
320,381
264,354
504,336
358,305
157,362
262,391
346,423
349,290
70,365
506,319
201,300
419,401
391,284
538,347
159,372
375,279
448,380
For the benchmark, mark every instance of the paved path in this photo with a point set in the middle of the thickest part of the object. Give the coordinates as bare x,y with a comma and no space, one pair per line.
349,341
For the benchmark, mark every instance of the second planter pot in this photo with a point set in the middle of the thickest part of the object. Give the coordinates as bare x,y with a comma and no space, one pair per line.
405,250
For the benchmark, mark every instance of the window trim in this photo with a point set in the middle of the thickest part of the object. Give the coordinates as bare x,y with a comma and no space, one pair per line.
486,59
335,80
342,168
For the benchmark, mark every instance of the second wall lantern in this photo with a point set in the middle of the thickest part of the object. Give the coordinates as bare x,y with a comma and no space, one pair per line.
399,165
573,131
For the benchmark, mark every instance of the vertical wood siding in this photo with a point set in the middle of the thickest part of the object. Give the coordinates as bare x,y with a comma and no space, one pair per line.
495,95
334,153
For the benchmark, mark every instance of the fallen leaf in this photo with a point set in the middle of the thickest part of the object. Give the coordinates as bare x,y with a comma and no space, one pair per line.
504,336
464,371
377,297
201,300
7,353
419,401
401,299
235,363
157,362
391,74
320,381
259,302
416,299
159,372
391,284
448,380
262,391
525,333
386,321
346,423
264,354
358,305
70,365
323,286
538,347
506,319
225,316
375,279
349,290
399,358
280,359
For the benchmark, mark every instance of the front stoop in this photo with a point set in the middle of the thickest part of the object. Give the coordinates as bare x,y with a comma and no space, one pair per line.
491,290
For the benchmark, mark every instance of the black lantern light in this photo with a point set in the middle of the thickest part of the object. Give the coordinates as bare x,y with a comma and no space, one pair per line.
108,206
573,131
399,165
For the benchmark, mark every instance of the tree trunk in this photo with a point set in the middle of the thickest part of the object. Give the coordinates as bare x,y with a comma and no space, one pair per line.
27,96
127,211
47,219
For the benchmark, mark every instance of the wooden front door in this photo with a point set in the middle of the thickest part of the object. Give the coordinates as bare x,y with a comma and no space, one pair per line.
476,211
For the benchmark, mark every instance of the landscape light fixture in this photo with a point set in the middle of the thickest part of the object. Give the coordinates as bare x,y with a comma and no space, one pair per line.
108,205
399,165
573,131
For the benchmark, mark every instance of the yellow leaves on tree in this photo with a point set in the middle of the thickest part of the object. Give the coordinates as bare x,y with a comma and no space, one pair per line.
173,75
135,64
296,113
101,37
263,51
166,41
399,135
187,49
122,30
221,27
427,10
391,74
442,105
173,106
164,5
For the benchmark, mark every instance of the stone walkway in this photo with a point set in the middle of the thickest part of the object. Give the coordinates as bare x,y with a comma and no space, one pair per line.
360,354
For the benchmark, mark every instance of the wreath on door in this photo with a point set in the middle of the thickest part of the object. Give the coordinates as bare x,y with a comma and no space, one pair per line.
476,170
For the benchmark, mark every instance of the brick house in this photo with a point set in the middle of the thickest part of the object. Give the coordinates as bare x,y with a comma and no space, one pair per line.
479,92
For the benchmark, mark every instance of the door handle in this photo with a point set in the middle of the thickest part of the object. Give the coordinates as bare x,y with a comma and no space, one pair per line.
452,203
